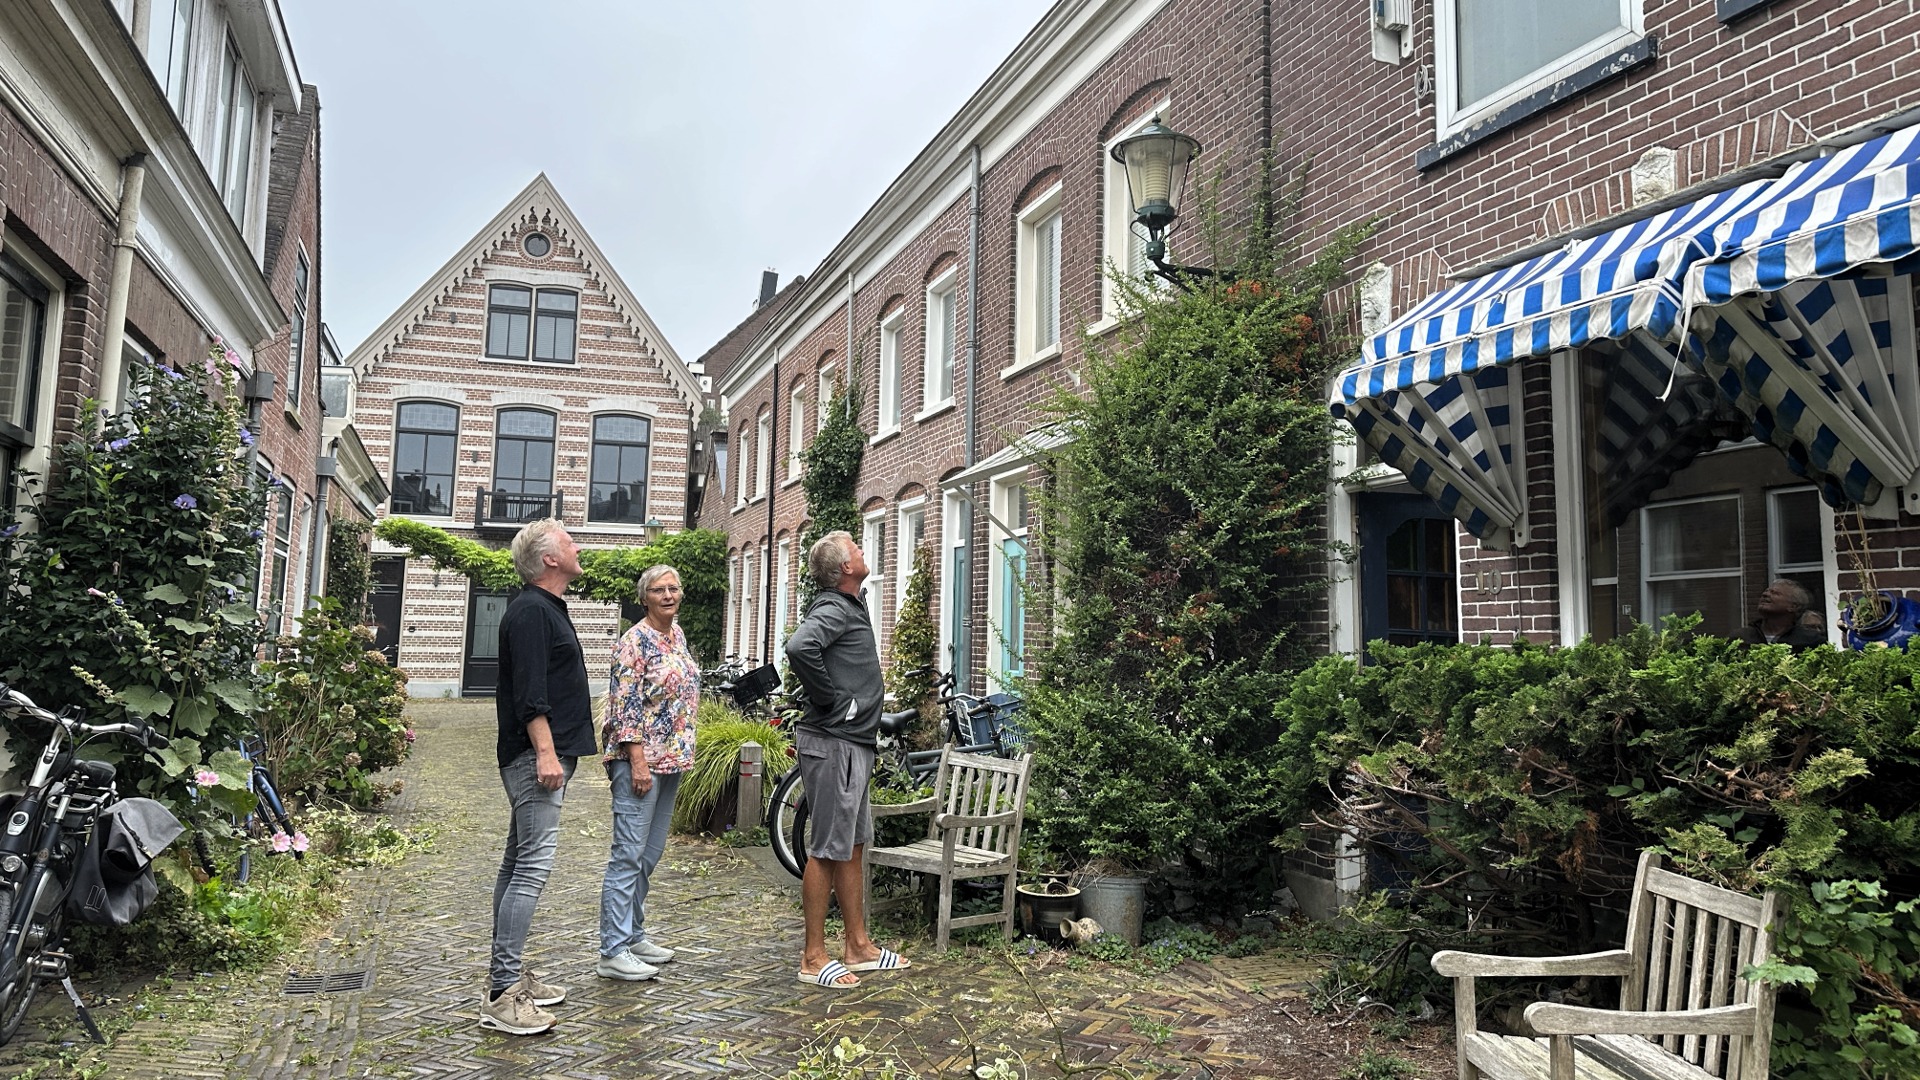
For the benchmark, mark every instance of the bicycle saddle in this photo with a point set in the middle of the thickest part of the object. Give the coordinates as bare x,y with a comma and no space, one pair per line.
893,723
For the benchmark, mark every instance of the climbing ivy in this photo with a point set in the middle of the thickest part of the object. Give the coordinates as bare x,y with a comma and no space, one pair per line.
349,567
832,469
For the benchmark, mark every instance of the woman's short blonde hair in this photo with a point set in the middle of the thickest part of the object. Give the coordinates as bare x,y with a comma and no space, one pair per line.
650,575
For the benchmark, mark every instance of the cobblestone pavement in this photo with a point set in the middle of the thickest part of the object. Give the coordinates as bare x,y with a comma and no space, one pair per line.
730,1005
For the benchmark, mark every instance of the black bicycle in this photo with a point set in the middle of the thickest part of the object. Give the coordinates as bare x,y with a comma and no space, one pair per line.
264,826
967,719
48,827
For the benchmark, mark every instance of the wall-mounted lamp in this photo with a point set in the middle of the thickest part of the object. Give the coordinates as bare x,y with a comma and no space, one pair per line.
654,527
573,461
1156,161
473,457
453,318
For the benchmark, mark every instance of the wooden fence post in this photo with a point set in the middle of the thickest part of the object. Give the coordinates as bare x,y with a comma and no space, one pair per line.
747,810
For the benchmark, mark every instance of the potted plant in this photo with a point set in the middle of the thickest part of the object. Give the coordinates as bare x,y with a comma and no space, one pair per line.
1045,897
1874,615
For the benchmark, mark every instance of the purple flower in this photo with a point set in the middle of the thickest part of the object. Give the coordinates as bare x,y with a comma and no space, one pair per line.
184,501
8,532
246,437
410,735
254,534
172,374
118,445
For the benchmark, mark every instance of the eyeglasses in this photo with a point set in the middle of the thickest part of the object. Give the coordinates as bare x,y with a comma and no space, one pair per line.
664,590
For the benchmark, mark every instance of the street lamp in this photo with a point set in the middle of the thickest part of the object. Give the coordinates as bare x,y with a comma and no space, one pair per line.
653,528
1156,160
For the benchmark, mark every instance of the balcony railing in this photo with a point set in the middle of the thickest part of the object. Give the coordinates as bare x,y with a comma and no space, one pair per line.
506,511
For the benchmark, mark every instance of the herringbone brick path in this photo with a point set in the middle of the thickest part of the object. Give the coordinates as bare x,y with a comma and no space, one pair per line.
728,1006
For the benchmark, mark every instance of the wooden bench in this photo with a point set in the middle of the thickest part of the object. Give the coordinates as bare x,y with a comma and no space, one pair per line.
1685,1011
977,806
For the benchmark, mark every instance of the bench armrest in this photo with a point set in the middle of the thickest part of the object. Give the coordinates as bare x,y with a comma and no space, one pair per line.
917,806
1548,1018
1455,964
963,821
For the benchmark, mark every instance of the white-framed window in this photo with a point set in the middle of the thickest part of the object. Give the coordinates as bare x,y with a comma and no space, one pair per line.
1799,539
796,430
1006,578
426,437
297,331
524,323
889,412
169,35
617,476
943,339
782,599
953,581
303,525
824,398
750,604
1690,560
763,453
1491,53
745,456
28,312
232,142
911,532
1037,280
1126,246
280,505
873,541
734,633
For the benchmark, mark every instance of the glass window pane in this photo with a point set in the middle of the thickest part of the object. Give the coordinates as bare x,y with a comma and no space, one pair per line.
1403,549
1797,517
526,422
1403,602
629,429
1438,554
1717,599
1692,536
22,317
1439,603
428,416
1503,41
555,300
509,296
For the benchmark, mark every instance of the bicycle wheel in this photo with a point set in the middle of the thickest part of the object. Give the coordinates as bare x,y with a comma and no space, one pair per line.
787,823
17,996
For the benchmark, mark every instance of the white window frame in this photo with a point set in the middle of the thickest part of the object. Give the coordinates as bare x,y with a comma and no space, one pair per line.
873,542
782,599
941,351
1451,118
1126,249
737,606
912,512
762,453
998,578
750,602
825,397
1647,577
889,409
796,431
1041,213
37,456
745,457
953,537
1828,566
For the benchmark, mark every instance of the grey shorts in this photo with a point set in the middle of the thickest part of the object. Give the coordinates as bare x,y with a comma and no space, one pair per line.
839,815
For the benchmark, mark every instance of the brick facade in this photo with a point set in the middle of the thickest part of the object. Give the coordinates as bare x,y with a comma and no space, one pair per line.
433,349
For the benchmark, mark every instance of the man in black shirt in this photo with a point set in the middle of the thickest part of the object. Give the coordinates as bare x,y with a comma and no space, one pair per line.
546,723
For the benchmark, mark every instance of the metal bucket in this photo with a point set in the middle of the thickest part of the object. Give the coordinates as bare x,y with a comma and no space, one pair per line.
1118,904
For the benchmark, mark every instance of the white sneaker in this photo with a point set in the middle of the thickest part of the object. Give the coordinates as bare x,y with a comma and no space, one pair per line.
515,1013
650,953
626,966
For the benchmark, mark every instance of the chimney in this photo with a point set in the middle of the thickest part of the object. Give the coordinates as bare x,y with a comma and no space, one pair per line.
769,284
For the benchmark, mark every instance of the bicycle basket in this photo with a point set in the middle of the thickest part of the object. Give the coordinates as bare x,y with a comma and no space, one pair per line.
755,684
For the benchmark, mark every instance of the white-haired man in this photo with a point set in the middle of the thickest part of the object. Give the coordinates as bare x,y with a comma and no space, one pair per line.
834,655
545,710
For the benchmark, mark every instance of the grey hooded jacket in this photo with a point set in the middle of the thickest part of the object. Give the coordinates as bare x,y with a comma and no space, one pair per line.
837,663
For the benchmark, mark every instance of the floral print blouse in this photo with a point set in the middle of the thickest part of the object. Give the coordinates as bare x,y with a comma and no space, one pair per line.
655,691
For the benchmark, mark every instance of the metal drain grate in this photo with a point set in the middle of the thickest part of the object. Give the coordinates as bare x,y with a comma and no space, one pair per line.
335,983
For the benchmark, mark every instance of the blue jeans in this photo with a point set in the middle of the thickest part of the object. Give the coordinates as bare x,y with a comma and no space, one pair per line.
640,825
532,837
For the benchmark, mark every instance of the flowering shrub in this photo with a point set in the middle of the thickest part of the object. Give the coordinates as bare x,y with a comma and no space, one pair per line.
129,584
332,710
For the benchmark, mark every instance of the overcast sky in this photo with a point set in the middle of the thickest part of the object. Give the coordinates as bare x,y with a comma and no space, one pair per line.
700,141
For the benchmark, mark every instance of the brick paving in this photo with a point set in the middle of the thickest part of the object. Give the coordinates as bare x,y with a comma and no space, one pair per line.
728,1006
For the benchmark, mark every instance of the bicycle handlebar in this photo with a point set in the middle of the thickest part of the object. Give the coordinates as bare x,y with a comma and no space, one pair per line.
139,731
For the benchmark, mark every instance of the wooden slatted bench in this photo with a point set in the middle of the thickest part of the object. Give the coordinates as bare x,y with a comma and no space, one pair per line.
1685,1011
978,803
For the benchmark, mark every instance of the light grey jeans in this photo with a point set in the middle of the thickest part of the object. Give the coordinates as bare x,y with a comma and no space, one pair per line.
532,837
639,838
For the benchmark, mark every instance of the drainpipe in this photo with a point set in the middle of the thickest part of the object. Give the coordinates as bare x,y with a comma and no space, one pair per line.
133,177
766,543
323,472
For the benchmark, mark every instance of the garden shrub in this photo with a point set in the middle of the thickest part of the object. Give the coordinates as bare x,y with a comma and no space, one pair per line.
1518,786
350,566
331,710
719,732
915,641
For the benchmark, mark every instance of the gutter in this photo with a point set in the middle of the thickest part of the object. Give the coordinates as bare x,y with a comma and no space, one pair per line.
133,179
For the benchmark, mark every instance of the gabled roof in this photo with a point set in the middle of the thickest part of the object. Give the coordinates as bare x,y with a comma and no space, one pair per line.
537,201
715,361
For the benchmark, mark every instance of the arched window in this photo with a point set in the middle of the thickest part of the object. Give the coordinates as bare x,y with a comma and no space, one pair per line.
424,438
619,479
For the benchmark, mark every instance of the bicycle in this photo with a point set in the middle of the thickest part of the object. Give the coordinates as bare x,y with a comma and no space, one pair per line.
894,765
269,813
48,829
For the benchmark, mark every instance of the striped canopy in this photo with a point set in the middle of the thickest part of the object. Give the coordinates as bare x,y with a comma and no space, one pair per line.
1804,318
1431,393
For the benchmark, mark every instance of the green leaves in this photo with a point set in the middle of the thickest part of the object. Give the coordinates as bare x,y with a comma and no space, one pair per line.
145,701
168,593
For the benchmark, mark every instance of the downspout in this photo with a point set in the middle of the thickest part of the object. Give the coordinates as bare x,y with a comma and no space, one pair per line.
323,471
133,177
766,543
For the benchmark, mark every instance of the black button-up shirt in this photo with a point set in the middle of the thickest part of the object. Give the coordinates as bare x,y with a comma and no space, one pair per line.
542,673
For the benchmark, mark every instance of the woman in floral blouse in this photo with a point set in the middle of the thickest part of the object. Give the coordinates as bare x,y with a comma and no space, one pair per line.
648,733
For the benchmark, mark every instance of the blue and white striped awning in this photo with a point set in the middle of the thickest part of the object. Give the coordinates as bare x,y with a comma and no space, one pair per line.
1804,318
1431,394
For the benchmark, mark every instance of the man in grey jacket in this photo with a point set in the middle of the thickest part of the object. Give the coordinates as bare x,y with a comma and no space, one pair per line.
836,657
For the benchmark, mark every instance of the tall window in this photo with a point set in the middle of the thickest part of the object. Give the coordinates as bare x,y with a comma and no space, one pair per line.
556,314
720,461
749,604
23,328
873,542
824,399
746,467
424,437
912,532
168,36
1037,316
509,311
1006,599
796,430
297,339
1796,547
523,453
943,319
763,453
233,133
282,544
1690,560
954,599
737,603
518,316
1494,52
890,373
619,478
782,598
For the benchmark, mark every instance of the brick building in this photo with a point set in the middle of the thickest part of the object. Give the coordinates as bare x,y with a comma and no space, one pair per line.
522,380
1544,186
160,179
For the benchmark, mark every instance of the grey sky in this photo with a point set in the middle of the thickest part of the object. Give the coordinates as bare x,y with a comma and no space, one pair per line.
699,142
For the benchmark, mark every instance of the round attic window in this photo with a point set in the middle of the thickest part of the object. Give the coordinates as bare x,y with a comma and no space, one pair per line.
536,245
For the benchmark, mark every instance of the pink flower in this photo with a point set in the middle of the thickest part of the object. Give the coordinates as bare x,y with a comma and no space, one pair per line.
299,841
94,592
206,778
409,734
281,842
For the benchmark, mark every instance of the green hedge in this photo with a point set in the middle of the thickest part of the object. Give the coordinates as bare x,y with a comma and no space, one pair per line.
1532,777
